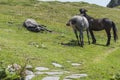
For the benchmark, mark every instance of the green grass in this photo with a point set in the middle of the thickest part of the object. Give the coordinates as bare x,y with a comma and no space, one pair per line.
17,44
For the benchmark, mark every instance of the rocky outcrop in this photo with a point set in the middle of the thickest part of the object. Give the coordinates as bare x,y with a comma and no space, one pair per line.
113,3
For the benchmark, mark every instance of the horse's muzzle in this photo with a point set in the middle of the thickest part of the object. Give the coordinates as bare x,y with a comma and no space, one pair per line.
67,24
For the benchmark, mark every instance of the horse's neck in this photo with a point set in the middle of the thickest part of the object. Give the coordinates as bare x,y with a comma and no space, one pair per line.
88,17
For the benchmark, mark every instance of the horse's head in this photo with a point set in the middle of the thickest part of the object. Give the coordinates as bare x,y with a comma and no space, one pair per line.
83,11
68,23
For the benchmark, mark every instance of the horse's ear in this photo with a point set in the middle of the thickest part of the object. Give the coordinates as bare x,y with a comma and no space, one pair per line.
82,10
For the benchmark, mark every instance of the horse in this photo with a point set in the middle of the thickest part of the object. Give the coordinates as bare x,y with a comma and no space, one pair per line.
100,24
79,24
33,26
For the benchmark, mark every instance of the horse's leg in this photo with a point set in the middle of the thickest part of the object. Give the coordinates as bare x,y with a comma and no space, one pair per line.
88,36
108,36
93,37
75,31
81,38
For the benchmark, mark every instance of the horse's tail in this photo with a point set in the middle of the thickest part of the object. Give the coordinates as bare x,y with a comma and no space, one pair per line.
114,31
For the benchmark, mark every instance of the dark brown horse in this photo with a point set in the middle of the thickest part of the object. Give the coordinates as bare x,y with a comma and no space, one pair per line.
100,24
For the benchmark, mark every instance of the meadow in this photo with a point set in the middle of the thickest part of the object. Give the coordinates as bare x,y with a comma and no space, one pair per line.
17,44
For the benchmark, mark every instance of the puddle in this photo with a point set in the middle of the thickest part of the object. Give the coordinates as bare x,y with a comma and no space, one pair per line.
57,65
75,76
41,68
51,78
75,64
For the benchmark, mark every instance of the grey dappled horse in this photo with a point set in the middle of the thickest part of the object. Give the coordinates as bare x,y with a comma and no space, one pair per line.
32,25
100,24
79,23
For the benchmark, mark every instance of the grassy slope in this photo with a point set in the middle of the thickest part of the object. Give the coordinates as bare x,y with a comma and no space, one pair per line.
17,44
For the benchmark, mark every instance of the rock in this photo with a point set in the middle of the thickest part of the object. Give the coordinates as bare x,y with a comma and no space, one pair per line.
41,68
28,72
29,67
113,3
75,64
51,78
29,77
54,73
75,76
57,65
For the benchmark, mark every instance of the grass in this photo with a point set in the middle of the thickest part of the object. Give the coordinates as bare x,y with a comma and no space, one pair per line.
17,44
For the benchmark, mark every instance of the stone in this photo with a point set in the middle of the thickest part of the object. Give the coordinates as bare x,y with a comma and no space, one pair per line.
51,78
75,76
29,77
54,73
41,68
28,72
75,64
57,65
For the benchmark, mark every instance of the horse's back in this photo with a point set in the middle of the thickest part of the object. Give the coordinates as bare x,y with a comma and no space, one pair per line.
81,20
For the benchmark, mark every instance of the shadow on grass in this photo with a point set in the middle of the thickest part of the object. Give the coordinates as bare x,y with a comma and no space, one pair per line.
100,45
75,43
71,43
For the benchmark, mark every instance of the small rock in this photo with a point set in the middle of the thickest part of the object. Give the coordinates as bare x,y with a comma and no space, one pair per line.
75,76
75,64
57,65
67,79
28,72
54,73
39,73
29,67
29,77
51,78
41,68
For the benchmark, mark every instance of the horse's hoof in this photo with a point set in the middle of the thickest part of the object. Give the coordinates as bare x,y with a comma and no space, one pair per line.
94,42
79,44
89,42
82,46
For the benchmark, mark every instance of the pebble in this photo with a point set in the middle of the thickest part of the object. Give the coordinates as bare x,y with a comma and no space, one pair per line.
41,68
57,65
